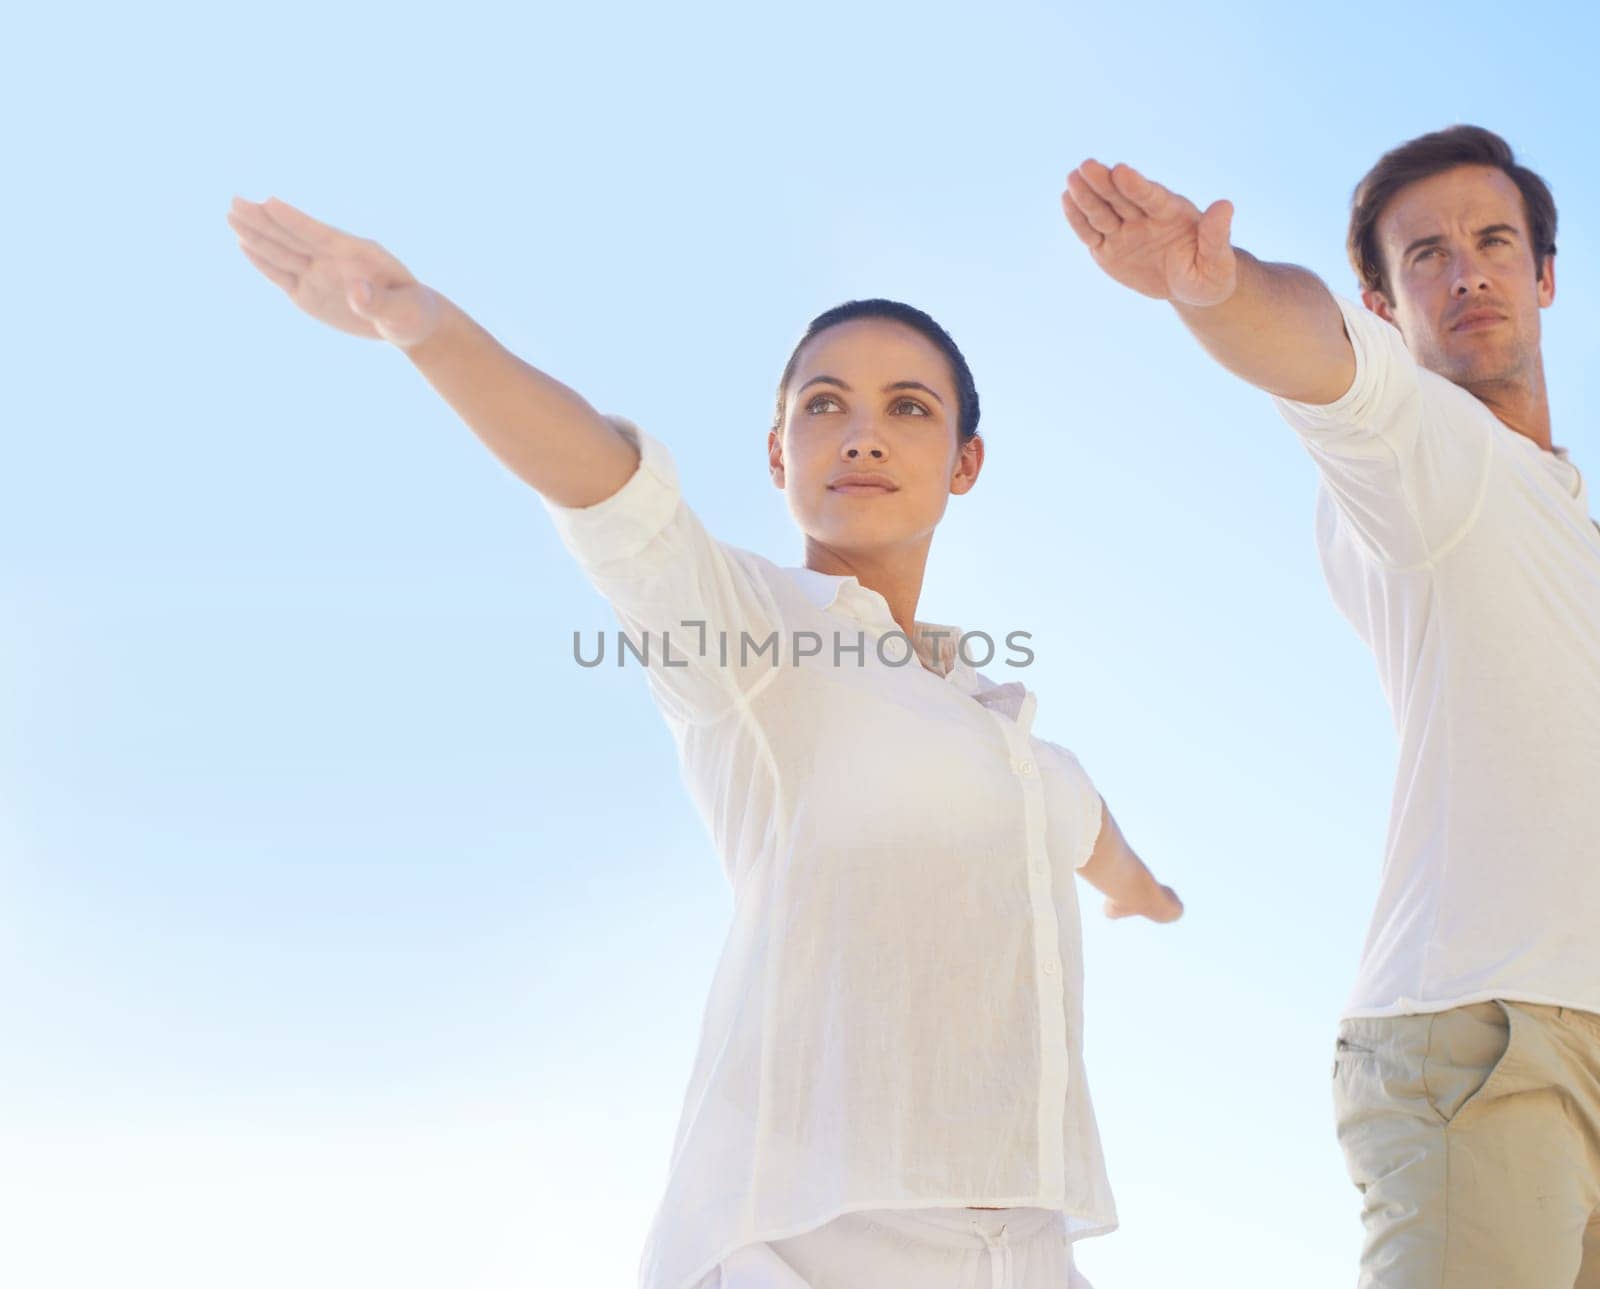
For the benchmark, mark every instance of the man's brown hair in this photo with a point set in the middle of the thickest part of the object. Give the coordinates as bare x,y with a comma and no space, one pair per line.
1428,155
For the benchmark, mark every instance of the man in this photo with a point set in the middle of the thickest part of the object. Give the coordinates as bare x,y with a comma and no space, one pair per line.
1457,540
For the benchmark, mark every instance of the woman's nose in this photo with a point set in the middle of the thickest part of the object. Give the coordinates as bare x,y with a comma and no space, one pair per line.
863,438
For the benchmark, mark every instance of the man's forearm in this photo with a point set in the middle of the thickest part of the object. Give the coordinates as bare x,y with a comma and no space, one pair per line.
542,431
1281,330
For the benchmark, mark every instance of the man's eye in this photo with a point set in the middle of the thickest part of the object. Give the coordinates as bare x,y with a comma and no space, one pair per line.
1491,241
1432,250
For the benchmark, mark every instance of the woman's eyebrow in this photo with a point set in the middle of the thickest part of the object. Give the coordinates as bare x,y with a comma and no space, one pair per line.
899,384
832,380
914,384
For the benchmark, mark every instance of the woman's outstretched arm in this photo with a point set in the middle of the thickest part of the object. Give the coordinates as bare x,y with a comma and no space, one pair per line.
1121,876
542,431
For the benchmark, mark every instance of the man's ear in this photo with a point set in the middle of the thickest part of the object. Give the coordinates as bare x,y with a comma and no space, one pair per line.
1547,281
1377,302
775,457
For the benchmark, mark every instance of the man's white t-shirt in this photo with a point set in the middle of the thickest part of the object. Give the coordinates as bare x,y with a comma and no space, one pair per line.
1464,555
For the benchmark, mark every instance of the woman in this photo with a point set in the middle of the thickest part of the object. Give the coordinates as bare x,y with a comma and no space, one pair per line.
889,1087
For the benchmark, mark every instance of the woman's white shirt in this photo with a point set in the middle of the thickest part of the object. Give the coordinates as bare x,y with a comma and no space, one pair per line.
896,1016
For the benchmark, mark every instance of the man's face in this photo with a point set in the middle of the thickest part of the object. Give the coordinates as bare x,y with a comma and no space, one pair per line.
1463,285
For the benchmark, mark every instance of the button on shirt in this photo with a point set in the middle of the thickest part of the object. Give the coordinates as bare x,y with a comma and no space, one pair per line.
896,1016
1465,556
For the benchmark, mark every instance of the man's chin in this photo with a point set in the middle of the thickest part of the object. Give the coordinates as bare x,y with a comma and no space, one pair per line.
1480,368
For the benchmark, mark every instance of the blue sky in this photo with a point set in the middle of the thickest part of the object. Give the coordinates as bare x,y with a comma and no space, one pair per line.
350,931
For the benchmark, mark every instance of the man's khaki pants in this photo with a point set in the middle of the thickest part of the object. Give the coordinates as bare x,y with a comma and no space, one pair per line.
1473,1135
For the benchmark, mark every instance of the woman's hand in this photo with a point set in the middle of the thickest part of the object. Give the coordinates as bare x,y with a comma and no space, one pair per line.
351,283
1150,239
1130,888
1159,904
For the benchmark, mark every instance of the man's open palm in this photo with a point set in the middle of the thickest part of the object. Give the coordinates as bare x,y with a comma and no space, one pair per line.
1149,238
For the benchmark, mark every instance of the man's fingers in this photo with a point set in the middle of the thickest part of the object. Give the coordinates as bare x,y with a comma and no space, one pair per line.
1215,230
1149,197
1099,179
1080,223
1095,208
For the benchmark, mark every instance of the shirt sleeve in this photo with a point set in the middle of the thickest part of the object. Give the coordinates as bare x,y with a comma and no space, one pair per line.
1403,453
684,598
1074,808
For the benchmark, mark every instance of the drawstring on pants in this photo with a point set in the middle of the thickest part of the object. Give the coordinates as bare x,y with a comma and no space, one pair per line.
999,1255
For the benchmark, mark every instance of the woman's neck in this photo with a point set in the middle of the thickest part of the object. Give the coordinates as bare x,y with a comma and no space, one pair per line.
895,573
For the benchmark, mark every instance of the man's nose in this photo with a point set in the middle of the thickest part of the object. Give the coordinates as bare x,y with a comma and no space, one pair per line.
1470,277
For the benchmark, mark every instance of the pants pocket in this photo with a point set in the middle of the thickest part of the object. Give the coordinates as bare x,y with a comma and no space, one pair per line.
1466,1057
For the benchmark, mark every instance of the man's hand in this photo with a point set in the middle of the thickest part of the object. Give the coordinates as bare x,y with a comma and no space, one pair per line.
1150,239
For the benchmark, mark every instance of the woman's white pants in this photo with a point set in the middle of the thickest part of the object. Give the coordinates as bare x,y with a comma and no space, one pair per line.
927,1248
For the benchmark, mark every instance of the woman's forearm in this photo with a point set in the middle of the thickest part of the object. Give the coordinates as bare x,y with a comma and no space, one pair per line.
1115,871
542,431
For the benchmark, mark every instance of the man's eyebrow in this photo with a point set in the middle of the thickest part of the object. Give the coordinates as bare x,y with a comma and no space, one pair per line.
1420,243
1438,237
899,384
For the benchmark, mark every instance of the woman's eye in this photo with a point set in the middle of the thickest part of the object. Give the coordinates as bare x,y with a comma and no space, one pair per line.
918,408
815,404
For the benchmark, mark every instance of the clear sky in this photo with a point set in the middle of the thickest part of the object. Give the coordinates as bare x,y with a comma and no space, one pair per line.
349,932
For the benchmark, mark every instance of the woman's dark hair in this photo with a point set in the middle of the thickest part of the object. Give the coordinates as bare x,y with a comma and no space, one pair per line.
1428,155
917,320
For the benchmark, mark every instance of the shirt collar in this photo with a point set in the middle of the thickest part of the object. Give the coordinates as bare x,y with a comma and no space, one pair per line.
843,593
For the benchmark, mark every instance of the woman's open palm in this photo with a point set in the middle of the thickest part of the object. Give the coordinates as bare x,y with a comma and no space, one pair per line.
348,282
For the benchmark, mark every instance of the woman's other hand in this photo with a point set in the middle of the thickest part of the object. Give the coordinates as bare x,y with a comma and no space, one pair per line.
351,283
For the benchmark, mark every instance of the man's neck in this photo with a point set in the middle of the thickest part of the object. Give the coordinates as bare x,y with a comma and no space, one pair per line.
1520,402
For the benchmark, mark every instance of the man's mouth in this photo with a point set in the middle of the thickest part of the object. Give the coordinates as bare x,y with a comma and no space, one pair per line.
1477,320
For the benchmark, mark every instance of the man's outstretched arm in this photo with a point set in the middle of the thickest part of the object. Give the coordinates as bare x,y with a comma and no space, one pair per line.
1274,325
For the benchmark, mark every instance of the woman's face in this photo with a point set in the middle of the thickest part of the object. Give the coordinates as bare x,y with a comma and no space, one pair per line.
871,397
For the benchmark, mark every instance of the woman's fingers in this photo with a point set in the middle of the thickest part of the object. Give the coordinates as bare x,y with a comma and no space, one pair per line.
273,252
253,214
275,275
299,230
259,231
1095,208
1080,223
